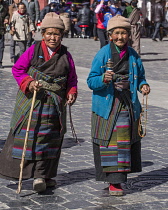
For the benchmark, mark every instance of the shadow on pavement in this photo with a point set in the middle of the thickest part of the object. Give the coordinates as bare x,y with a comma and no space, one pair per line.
140,183
147,163
75,176
148,60
150,53
71,142
147,180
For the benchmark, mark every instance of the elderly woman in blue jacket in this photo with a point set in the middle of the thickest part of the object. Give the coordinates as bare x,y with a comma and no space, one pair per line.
116,75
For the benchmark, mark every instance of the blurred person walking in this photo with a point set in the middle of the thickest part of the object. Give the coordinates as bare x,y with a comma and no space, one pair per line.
4,19
115,8
93,7
73,17
128,8
84,18
12,8
103,14
157,18
134,19
53,6
33,9
21,25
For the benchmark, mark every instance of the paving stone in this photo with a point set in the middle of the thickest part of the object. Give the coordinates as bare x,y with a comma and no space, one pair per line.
77,188
78,204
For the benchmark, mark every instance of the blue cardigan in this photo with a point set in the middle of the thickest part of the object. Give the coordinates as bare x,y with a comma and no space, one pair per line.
103,94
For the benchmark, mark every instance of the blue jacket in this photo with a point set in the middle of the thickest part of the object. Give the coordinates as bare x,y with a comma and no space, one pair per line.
103,94
115,11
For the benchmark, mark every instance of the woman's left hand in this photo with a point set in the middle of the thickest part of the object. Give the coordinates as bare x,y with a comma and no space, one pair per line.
71,99
145,89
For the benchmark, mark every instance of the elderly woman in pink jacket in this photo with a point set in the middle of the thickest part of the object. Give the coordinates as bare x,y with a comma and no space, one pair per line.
49,61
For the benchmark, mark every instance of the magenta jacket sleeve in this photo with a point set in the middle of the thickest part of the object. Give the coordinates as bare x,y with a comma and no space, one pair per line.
72,77
22,65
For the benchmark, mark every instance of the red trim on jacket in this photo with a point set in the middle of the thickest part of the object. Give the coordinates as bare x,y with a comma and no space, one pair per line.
45,50
25,83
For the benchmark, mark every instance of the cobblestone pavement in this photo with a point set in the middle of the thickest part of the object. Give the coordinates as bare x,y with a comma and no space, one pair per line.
77,188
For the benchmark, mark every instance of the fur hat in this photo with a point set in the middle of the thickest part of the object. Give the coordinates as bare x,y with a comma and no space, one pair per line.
118,21
52,20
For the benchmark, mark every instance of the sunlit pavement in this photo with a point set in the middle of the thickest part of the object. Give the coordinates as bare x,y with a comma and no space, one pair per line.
76,185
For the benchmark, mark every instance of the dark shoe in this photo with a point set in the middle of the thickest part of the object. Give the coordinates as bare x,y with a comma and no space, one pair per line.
116,189
154,40
39,185
1,67
50,183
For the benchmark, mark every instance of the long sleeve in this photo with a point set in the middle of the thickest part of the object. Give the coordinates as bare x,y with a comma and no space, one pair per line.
72,77
98,8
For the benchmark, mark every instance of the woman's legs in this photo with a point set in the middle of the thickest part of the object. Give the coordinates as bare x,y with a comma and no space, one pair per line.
102,37
22,46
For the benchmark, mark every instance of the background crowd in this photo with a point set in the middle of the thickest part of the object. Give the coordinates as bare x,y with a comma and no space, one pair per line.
22,19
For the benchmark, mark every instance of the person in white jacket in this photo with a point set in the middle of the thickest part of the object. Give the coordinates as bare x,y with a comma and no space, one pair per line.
21,26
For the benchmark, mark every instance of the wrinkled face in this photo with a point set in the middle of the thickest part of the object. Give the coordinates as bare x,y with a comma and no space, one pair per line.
120,37
52,37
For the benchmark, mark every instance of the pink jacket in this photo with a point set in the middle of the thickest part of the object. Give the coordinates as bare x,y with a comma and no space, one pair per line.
19,70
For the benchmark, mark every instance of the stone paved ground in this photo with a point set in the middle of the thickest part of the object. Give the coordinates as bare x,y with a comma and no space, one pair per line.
77,188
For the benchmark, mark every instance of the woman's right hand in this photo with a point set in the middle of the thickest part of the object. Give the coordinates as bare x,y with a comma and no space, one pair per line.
108,76
34,85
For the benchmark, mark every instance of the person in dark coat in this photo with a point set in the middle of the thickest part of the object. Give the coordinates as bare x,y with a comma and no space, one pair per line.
73,17
157,18
53,6
84,17
93,7
33,9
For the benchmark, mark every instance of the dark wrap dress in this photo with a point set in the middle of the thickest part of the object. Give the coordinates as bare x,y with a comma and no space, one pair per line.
48,121
115,154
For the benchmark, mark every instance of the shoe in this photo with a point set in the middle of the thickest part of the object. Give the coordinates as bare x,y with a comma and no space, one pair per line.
39,185
116,189
154,40
50,182
12,60
1,67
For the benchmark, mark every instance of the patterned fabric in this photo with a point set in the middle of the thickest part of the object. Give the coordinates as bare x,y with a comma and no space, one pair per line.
44,138
45,132
114,135
101,129
116,157
23,102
